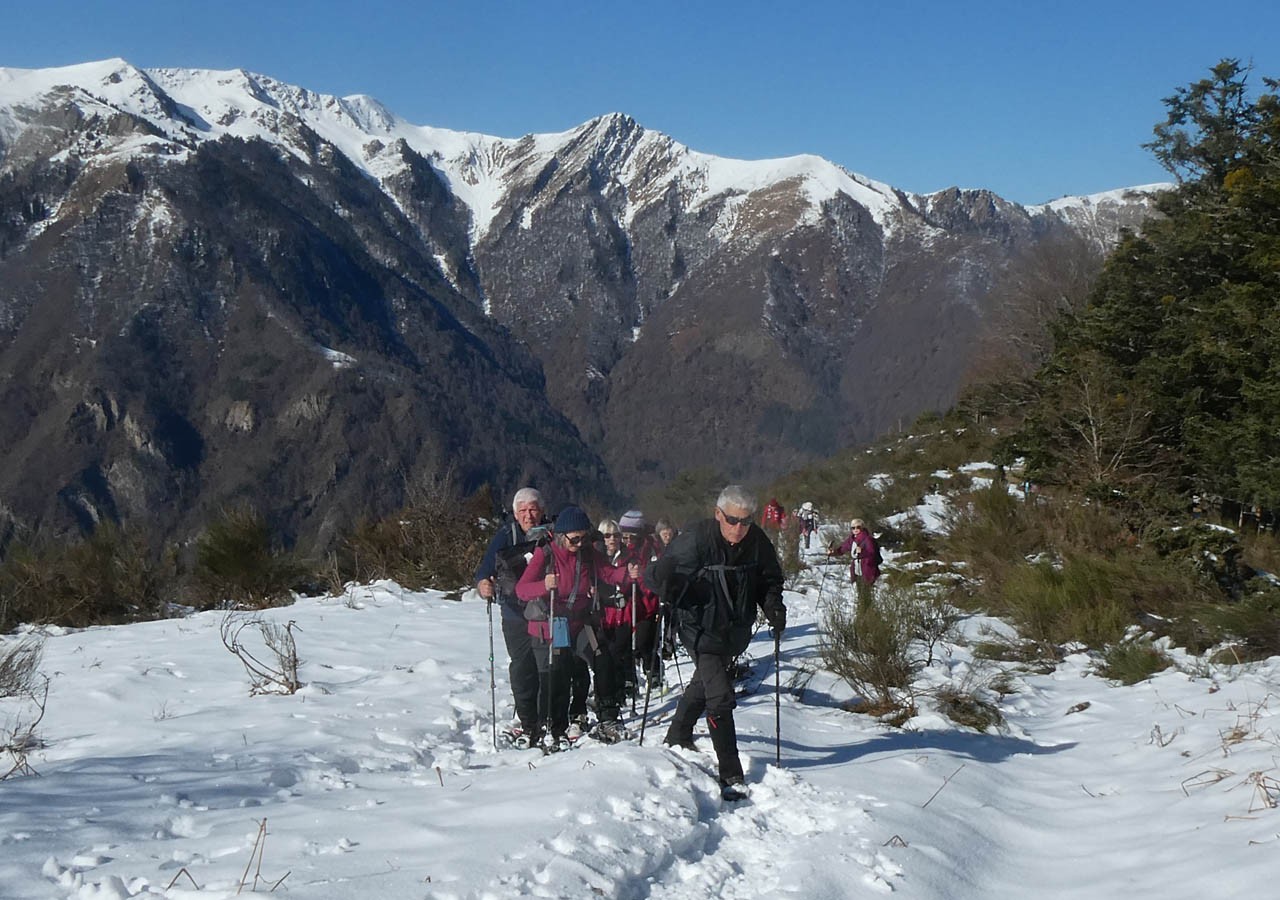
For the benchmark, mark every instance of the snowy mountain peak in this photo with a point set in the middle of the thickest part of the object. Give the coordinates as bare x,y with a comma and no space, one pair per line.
641,164
636,167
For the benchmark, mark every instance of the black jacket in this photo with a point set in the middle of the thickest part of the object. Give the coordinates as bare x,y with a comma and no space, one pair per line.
715,588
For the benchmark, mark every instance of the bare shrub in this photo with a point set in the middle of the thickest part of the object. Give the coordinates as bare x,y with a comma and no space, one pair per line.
239,564
107,578
968,708
1129,662
270,656
26,691
435,541
19,667
1082,601
879,651
1010,650
992,531
787,543
1252,625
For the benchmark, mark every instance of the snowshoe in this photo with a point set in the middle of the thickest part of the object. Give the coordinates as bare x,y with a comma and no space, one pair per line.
556,744
524,739
610,732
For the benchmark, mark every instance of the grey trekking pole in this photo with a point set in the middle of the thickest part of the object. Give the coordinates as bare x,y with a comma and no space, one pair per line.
493,683
635,676
777,692
551,657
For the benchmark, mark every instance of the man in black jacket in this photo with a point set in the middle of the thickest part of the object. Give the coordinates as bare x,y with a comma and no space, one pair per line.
495,581
713,578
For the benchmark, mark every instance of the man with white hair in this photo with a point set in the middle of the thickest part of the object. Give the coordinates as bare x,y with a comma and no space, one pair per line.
714,577
495,580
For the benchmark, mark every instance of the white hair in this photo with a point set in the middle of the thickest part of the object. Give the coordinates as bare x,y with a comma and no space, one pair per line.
527,495
737,495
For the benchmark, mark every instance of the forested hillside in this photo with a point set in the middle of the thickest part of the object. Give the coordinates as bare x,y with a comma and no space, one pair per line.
1167,383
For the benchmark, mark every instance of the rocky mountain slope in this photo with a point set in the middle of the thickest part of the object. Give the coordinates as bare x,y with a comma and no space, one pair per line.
217,287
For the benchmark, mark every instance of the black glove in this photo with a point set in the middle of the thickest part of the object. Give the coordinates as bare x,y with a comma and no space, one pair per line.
778,623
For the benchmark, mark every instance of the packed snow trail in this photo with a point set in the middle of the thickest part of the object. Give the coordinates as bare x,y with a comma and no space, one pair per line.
379,778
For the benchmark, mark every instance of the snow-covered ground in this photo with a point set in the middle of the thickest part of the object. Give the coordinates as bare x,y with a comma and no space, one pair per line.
379,779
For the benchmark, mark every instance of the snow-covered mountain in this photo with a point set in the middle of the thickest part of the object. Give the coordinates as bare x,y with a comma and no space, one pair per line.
680,306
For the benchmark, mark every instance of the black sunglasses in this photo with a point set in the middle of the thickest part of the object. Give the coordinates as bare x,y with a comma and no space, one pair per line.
736,520
574,540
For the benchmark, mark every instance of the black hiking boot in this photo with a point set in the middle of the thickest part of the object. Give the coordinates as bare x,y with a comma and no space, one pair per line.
733,788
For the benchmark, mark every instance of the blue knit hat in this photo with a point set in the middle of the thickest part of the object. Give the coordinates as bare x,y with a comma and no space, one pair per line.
571,518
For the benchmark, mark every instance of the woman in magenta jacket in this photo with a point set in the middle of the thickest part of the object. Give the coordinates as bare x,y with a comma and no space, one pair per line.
558,593
865,567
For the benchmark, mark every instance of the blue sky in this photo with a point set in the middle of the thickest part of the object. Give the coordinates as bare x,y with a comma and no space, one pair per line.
1034,100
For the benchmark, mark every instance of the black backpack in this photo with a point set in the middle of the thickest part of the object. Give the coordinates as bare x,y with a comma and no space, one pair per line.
510,562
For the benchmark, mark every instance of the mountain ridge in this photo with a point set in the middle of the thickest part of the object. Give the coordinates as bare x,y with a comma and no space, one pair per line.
655,307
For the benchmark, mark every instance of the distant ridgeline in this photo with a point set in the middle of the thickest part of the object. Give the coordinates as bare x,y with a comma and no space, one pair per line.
216,288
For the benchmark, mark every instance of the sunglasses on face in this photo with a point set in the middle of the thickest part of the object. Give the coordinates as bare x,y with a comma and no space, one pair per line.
736,520
574,540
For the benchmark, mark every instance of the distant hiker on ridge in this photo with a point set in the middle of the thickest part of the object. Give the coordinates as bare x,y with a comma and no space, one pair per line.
774,517
808,517
865,567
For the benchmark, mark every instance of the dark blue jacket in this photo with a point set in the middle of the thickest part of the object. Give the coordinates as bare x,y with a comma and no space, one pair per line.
508,535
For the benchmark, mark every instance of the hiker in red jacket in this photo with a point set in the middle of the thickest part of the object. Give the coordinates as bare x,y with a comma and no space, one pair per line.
774,517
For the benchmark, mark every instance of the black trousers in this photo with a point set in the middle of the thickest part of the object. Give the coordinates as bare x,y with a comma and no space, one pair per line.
710,691
523,670
555,680
613,671
579,687
648,656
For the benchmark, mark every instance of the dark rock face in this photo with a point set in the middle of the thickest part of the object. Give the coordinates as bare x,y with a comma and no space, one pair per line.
315,316
279,335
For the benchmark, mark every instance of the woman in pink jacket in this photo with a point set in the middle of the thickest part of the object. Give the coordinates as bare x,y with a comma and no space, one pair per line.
558,590
865,568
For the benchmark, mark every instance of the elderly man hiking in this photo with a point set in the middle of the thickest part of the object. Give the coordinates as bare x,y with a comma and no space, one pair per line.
713,578
504,560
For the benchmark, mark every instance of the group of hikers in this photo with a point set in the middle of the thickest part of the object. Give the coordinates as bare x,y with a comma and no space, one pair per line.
582,603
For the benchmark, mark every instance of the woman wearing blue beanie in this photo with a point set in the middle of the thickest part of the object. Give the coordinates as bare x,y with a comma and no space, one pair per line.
558,591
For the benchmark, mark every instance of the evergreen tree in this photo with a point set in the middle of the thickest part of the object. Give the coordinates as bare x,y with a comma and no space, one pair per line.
1183,327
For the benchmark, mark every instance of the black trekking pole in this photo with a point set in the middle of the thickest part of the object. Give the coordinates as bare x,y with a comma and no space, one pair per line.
648,685
493,683
777,692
